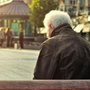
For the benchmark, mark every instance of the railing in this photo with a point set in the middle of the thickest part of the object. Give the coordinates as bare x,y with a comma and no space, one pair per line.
46,85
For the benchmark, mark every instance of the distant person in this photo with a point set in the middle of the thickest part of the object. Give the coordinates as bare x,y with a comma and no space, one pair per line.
2,36
9,37
65,55
21,39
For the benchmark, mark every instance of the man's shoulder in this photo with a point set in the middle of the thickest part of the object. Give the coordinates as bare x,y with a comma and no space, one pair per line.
83,42
50,41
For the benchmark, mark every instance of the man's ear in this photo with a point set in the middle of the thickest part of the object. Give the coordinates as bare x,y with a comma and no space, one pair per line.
51,26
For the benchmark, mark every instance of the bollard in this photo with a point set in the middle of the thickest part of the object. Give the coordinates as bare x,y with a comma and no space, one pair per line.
15,46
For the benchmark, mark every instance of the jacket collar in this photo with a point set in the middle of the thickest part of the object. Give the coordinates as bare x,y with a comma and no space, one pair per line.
61,29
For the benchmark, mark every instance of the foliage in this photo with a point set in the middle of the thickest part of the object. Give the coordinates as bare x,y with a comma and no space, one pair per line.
38,10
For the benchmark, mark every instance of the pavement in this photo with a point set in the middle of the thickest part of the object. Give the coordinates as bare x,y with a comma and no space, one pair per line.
33,46
17,64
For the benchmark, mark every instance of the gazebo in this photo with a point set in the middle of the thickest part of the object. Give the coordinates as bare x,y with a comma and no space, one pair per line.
15,15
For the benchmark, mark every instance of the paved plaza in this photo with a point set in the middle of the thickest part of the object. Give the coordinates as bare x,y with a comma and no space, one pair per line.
17,64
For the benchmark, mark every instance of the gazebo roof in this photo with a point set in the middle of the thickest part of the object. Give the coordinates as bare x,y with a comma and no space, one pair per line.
15,9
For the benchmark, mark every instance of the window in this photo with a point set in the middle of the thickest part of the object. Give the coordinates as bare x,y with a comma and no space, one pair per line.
72,1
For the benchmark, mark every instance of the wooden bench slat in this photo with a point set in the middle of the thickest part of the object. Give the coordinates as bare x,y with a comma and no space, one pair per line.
45,85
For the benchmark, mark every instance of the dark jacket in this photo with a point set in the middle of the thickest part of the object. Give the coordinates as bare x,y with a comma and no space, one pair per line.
64,56
21,36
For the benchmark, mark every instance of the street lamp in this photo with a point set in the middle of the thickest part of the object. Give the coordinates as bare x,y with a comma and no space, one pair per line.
78,7
86,7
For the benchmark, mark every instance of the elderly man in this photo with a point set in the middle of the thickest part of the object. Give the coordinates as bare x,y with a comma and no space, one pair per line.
65,55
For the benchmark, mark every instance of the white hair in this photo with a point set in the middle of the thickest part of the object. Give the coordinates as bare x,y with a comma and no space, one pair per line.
56,18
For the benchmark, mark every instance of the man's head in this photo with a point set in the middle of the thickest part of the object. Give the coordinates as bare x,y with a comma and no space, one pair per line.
55,18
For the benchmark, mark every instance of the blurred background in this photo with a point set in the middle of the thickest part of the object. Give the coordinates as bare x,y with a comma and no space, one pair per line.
22,32
29,14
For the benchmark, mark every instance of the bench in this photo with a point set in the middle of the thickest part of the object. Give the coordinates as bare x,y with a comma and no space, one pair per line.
46,85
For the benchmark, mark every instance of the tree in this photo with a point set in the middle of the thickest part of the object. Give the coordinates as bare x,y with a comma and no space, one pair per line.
38,10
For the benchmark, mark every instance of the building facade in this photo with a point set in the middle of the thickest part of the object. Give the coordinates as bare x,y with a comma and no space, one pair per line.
75,7
15,15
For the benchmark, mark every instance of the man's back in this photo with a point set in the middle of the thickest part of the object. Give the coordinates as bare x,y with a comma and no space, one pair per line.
73,57
64,56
